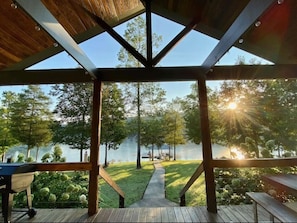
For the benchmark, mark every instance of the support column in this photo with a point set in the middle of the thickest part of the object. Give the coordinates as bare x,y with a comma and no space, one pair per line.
206,148
94,151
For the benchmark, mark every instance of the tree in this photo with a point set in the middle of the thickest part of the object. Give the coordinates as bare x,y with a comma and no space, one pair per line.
190,106
153,133
279,113
73,111
135,35
174,130
6,138
31,118
113,121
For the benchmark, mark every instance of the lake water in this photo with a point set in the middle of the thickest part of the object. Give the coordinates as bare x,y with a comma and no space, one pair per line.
127,152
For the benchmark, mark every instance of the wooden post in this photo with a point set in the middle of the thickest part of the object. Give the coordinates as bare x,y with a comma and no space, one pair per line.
182,201
94,151
206,148
121,201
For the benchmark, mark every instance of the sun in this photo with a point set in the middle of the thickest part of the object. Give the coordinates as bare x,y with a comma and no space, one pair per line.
232,105
236,153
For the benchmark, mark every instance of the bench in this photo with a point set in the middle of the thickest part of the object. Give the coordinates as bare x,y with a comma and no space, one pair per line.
275,208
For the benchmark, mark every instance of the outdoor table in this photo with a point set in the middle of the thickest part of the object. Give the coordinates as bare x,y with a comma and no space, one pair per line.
285,182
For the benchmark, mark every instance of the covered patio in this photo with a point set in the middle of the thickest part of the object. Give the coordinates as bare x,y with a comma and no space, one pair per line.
266,28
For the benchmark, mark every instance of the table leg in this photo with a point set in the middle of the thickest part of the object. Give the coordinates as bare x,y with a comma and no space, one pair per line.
7,203
255,211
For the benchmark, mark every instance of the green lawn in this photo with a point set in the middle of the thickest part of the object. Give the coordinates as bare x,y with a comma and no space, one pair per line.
177,174
133,182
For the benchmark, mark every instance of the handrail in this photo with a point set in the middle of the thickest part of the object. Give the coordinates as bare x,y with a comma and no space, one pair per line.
262,162
114,186
194,177
79,166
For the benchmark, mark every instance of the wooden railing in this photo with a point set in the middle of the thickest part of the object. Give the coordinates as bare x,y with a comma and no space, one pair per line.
236,163
84,166
108,180
262,163
194,177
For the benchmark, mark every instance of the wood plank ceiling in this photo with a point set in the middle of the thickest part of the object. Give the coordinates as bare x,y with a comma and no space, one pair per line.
22,44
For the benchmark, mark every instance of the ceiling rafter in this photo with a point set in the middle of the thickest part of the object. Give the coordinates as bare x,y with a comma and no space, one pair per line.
174,41
247,17
118,38
49,23
149,46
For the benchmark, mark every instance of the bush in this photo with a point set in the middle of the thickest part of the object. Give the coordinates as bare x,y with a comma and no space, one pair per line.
233,183
56,190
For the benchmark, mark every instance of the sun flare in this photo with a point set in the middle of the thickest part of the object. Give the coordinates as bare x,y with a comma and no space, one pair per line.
232,105
236,153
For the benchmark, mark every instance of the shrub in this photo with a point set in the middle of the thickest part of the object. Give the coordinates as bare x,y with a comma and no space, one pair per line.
56,190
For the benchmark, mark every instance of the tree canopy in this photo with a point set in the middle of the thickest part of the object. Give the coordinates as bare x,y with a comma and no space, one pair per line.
73,115
31,118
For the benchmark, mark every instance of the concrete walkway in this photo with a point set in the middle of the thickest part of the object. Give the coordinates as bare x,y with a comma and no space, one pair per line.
154,195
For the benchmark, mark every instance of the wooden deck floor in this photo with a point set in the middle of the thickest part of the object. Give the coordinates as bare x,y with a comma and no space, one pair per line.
240,213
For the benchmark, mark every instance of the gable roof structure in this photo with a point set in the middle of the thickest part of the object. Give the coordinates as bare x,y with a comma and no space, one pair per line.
265,28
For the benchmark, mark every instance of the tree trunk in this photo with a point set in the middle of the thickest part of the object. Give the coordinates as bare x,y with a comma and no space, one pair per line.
28,152
37,151
105,158
138,165
81,155
152,152
174,152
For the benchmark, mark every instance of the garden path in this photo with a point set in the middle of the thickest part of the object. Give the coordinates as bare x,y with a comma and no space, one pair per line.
154,195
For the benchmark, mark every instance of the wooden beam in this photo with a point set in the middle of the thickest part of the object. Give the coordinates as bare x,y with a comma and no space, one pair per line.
237,72
174,41
95,146
253,72
263,163
63,166
60,76
206,148
149,75
48,22
247,17
149,47
118,38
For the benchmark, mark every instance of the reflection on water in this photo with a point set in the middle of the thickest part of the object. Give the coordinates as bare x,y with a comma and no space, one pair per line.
127,152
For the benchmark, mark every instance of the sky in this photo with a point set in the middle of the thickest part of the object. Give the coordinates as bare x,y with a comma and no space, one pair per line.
192,50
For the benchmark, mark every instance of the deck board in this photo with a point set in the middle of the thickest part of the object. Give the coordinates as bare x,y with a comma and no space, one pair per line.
186,214
236,213
135,215
193,214
200,215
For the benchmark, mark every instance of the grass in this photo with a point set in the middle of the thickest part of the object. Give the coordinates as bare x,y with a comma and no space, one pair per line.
132,181
177,174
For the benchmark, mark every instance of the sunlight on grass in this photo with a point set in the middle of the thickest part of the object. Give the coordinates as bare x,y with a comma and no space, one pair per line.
132,181
177,174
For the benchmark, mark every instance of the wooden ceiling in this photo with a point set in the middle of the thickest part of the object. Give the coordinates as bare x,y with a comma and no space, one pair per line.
27,36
